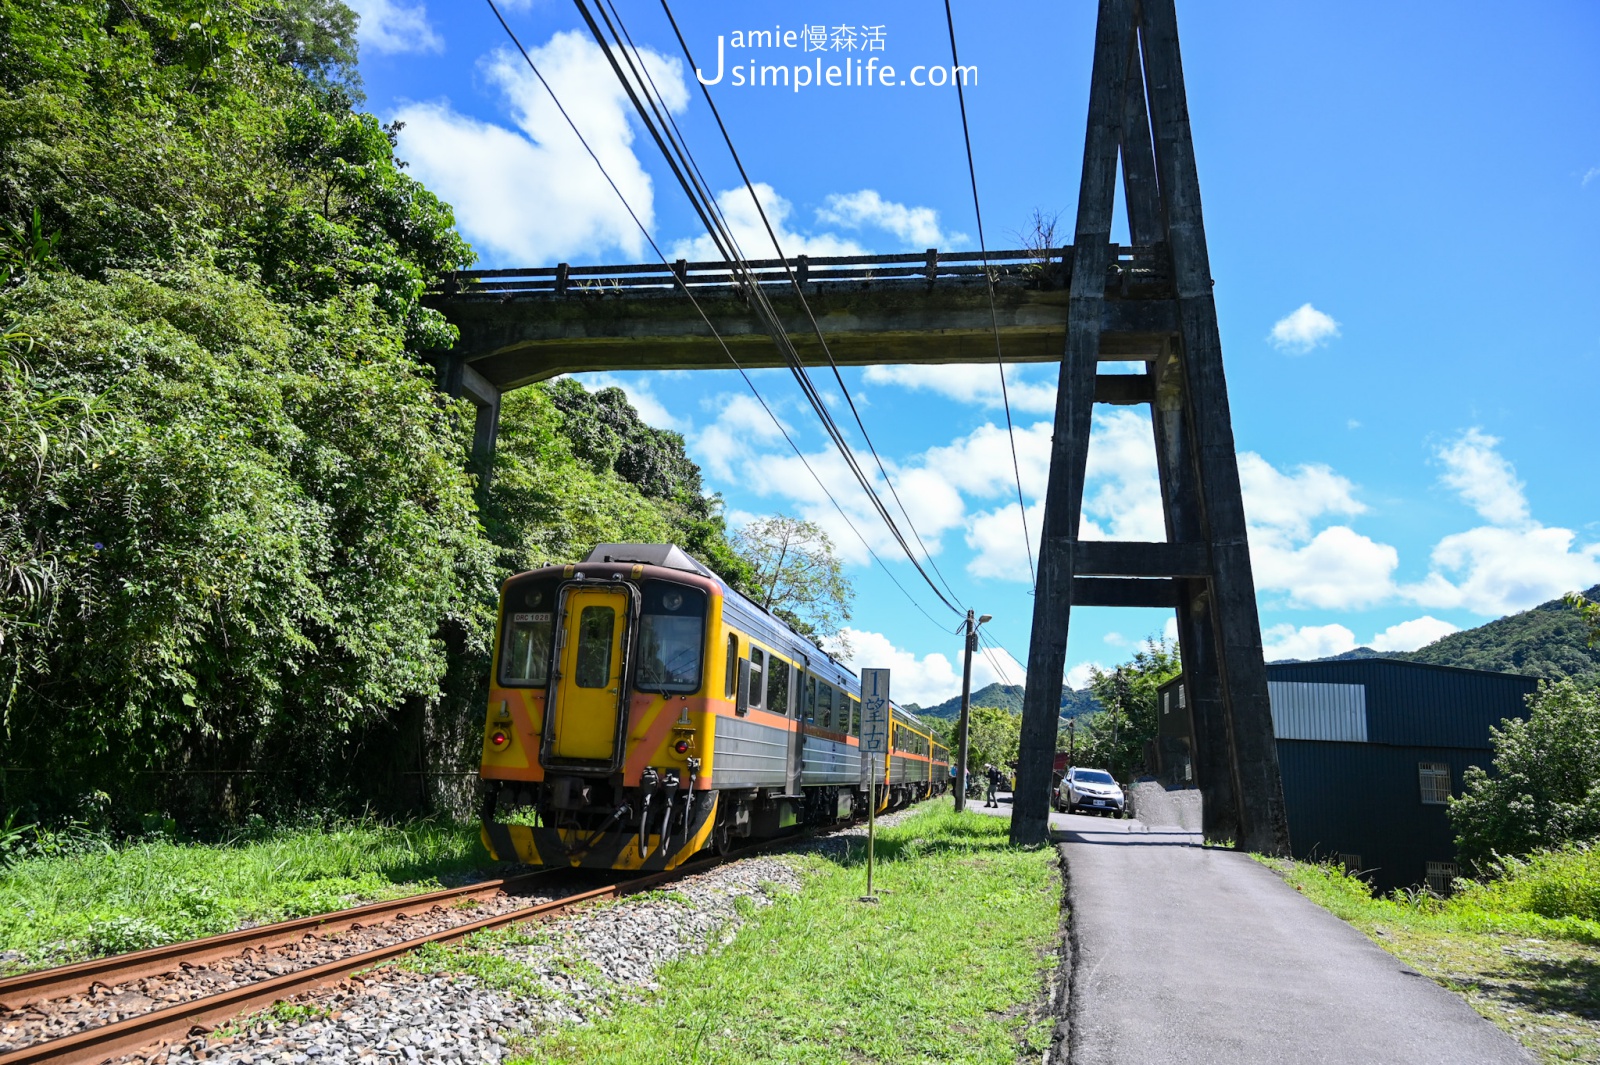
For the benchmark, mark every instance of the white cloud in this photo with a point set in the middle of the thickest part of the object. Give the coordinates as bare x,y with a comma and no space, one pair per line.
391,28
1592,173
1290,502
645,402
1306,642
1515,563
1303,329
931,678
1484,478
1170,632
996,540
1501,571
1122,488
1339,569
970,383
740,422
533,196
1410,635
744,220
915,226
1079,676
1335,568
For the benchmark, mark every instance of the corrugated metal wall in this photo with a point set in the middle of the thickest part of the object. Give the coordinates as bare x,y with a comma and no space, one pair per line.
1366,799
1410,704
1302,710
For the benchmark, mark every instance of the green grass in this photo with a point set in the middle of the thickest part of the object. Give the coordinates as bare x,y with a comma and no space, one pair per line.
1523,948
949,966
112,899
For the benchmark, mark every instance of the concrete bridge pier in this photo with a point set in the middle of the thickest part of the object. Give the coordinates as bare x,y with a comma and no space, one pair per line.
458,380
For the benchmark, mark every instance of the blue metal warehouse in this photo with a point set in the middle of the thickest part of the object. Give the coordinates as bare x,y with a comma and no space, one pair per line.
1370,749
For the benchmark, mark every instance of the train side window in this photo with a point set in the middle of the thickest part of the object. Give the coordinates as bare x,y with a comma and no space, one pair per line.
809,711
825,705
778,687
855,717
758,676
733,664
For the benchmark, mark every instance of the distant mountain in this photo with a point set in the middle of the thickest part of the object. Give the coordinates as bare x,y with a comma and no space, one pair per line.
1008,697
1548,641
1347,656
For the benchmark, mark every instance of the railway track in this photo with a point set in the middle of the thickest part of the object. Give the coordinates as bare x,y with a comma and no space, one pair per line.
149,1030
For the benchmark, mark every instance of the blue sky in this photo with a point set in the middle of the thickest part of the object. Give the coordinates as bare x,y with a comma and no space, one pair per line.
1403,211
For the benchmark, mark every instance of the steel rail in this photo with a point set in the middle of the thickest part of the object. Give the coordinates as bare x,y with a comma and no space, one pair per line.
151,1030
42,985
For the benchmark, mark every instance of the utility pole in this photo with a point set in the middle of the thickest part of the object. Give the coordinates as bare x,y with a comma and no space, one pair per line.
966,708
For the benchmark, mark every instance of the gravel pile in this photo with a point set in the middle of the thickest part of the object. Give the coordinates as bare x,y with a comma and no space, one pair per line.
106,1005
571,969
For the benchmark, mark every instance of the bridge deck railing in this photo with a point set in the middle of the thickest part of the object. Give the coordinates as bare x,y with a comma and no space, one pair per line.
1036,268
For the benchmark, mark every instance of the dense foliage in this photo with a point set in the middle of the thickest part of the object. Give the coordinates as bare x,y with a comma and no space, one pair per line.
796,574
243,559
1545,787
1551,640
1114,737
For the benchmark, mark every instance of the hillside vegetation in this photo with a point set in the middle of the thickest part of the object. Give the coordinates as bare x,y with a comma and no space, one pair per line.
243,565
1551,641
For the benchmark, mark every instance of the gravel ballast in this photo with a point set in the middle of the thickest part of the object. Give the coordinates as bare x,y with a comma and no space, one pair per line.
571,969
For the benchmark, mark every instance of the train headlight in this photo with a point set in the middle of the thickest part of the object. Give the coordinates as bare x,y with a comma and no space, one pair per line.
498,739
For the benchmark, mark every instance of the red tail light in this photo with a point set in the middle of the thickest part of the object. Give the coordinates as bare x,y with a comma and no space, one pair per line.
498,739
682,746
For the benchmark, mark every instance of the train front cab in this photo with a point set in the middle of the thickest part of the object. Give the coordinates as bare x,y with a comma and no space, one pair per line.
639,714
598,731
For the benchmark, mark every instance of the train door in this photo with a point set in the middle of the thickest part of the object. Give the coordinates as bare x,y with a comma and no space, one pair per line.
803,688
588,693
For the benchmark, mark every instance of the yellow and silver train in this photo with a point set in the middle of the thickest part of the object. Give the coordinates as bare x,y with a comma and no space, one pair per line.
642,711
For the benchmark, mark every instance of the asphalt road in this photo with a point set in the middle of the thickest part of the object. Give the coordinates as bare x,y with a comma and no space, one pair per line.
1194,955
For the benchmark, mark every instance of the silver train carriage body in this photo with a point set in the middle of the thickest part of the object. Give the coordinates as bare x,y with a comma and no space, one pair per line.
641,711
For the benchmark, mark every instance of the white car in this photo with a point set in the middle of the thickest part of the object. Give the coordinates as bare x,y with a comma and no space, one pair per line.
1090,791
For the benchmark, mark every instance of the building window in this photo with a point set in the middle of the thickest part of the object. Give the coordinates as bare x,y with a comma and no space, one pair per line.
1435,780
1441,875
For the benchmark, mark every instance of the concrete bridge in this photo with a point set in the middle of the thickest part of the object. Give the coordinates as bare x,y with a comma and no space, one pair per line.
519,326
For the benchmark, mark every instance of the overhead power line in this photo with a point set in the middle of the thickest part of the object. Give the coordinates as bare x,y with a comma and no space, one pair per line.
727,242
703,316
994,314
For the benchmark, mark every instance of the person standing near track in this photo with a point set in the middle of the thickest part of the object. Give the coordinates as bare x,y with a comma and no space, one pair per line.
993,775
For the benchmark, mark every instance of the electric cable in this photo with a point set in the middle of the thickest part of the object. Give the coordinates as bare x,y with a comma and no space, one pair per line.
994,314
682,282
799,367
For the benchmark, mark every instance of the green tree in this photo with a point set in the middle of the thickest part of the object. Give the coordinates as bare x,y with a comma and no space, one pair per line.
796,574
1545,787
993,736
1114,736
1589,612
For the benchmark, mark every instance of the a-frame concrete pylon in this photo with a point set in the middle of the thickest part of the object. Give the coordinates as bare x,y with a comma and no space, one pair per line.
1138,111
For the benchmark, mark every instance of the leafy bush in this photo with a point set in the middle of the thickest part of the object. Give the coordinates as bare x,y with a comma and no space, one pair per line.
1544,790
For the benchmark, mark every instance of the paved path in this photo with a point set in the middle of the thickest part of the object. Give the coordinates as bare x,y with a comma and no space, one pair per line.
1192,955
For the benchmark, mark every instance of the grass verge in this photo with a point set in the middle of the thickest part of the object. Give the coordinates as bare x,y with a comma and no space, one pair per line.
107,900
949,966
1536,976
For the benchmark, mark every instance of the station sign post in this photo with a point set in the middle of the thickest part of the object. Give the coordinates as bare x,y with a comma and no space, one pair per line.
874,742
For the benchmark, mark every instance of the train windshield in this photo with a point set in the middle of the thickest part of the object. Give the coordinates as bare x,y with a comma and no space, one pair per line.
672,626
529,631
